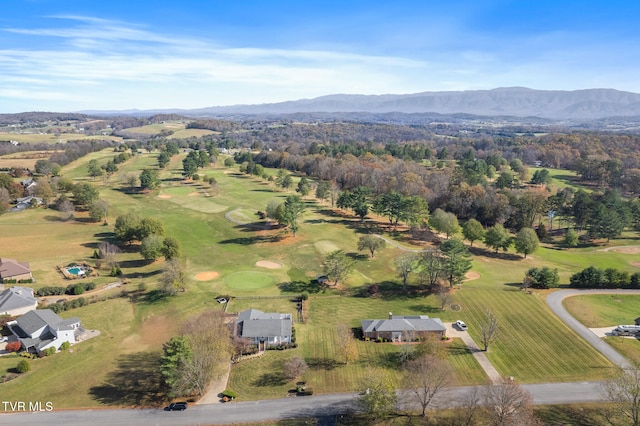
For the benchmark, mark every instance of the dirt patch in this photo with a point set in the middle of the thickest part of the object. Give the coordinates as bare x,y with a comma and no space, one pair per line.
626,250
207,275
151,334
471,275
268,264
635,263
164,196
194,194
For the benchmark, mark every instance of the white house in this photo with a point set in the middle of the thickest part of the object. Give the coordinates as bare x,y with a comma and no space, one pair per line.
264,329
16,301
41,329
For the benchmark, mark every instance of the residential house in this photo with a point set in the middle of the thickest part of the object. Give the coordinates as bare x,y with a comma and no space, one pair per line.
28,184
402,328
11,269
16,301
41,329
25,203
264,329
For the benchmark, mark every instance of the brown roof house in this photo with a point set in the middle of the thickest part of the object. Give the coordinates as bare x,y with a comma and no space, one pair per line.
41,329
264,329
11,269
402,328
16,301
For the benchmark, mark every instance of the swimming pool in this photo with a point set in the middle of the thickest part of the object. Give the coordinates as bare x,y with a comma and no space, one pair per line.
76,270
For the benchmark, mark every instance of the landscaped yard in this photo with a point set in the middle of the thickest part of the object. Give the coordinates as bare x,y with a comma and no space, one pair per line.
533,345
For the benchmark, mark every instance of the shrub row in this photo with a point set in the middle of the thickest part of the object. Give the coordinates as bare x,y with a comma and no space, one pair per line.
282,347
65,306
71,289
12,281
593,277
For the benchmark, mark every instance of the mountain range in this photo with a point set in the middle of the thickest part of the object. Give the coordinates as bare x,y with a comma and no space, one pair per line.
588,104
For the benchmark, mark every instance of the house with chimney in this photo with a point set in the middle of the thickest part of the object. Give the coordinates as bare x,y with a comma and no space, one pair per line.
402,328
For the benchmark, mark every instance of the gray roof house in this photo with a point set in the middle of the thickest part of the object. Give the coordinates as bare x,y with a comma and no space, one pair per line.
402,327
14,270
264,329
41,329
25,203
16,301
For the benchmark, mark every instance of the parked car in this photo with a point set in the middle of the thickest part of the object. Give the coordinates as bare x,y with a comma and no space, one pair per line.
461,325
176,406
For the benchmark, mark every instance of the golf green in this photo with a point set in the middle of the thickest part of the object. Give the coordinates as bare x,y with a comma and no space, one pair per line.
248,280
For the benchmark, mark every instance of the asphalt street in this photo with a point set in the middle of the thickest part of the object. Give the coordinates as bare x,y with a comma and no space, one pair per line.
324,405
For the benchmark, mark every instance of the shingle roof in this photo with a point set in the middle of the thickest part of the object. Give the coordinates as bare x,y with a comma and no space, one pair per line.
11,267
266,327
403,323
16,298
255,323
33,321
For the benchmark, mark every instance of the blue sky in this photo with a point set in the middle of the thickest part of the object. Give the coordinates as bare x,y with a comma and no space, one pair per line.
76,55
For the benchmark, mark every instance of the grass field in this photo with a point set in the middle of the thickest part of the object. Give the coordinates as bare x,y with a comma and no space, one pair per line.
533,345
609,310
603,310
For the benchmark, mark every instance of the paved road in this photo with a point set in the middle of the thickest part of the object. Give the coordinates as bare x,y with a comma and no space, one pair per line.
323,405
242,412
554,300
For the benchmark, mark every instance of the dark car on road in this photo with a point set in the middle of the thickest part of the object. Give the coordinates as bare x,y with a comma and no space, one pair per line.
176,406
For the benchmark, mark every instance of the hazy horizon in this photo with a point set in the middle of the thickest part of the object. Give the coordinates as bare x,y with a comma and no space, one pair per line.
80,56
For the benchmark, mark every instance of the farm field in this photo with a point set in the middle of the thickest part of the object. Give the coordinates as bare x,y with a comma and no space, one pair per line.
226,247
51,138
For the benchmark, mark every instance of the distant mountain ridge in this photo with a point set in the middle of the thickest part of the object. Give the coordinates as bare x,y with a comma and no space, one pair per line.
510,101
576,105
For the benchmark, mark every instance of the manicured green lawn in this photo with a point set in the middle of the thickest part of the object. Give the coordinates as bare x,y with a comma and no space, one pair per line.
533,346
603,310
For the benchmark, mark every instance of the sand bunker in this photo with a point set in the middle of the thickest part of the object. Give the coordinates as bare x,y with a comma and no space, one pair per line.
269,265
164,196
471,275
207,275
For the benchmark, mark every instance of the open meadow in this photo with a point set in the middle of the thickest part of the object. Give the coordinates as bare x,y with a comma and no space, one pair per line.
228,250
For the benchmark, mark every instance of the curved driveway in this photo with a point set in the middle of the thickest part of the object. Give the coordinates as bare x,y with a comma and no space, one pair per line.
554,300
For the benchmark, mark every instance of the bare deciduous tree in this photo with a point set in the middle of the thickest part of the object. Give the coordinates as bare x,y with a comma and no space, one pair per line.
108,252
508,404
488,329
444,296
295,367
427,376
468,407
67,209
623,392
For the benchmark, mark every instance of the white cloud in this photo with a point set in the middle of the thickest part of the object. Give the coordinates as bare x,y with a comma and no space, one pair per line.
101,64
